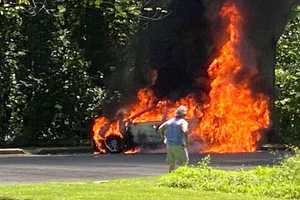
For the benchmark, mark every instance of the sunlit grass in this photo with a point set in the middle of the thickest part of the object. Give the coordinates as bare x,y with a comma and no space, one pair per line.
133,189
280,181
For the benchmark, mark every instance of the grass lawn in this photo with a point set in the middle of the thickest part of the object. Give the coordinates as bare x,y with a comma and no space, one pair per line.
132,189
199,182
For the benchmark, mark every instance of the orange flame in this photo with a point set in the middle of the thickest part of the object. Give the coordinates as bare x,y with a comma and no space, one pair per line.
133,150
103,128
147,108
234,118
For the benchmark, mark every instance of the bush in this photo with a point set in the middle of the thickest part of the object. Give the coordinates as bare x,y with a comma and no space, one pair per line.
282,181
288,82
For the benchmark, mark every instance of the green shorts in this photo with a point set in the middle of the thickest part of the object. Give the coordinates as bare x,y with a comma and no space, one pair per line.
177,153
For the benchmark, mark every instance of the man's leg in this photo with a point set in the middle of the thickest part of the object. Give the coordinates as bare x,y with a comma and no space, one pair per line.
183,156
171,167
171,157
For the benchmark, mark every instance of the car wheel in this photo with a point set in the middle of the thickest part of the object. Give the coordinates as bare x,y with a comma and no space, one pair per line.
114,144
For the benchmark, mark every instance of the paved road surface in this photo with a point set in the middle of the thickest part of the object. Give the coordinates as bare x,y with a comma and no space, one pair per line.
41,168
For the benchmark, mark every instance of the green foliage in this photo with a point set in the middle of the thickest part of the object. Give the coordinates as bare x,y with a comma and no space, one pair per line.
122,19
288,82
12,98
55,57
281,181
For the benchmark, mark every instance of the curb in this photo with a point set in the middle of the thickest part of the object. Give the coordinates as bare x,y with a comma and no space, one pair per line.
44,151
272,147
61,150
12,151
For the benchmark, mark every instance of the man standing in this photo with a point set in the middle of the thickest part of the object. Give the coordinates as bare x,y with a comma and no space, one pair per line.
175,134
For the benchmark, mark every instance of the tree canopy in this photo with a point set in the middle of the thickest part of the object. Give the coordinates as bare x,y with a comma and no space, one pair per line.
57,56
288,81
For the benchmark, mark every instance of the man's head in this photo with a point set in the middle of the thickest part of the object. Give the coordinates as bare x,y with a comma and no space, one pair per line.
181,111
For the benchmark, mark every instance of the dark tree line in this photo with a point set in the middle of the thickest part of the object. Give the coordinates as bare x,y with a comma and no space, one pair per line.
54,57
57,57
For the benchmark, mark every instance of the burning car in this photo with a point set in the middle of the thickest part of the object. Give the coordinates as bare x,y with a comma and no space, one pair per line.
235,114
131,139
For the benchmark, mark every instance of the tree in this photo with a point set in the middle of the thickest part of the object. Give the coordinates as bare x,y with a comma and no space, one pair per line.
288,81
55,57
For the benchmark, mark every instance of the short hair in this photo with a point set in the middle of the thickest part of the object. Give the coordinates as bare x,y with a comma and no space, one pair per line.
181,111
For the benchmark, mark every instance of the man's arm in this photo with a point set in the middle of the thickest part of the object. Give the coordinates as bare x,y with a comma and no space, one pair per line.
162,128
184,128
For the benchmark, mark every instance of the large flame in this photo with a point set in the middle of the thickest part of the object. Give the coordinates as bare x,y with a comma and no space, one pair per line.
147,108
233,120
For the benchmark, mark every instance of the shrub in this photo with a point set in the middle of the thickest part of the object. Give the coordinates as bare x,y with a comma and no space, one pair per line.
281,181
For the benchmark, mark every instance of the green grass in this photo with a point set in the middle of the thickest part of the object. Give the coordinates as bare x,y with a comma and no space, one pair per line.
133,189
191,183
280,181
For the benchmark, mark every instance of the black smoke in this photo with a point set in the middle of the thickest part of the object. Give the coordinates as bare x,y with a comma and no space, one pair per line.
180,47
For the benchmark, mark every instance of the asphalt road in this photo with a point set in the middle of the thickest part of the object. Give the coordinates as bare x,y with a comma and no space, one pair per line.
43,168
